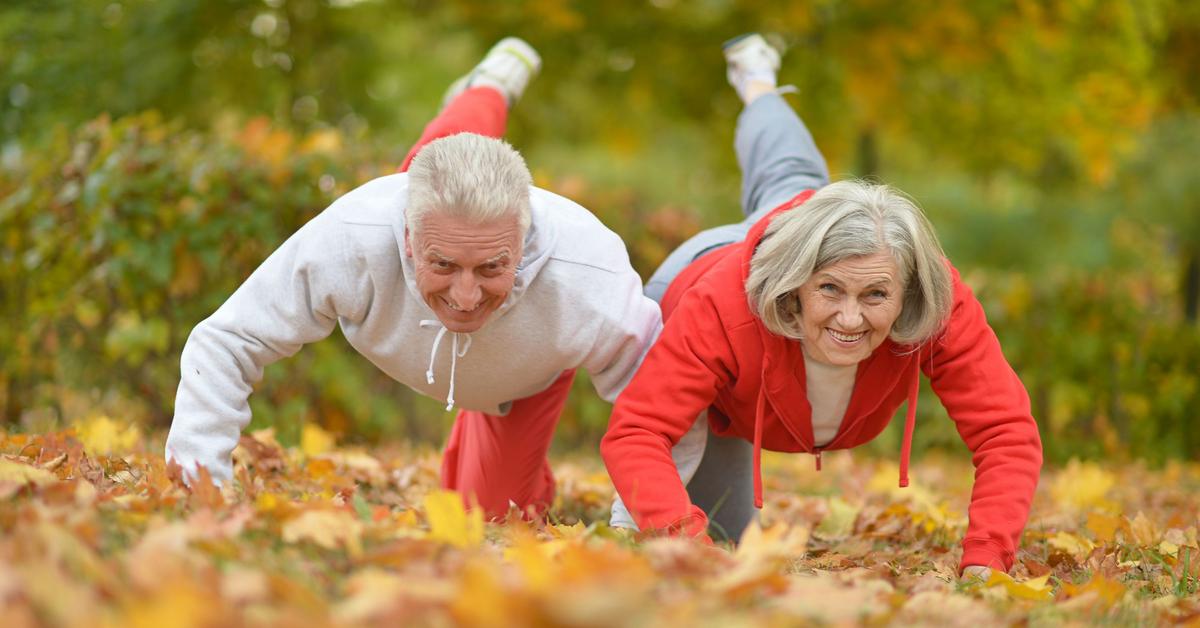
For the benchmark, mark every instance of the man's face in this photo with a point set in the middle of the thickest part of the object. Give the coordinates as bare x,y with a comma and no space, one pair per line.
464,271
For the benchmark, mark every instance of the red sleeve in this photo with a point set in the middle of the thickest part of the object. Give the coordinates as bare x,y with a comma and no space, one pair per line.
990,409
678,380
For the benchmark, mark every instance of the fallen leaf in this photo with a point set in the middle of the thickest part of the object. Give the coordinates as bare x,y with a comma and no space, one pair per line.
1106,590
1076,546
1037,589
839,523
1143,531
330,529
450,522
314,440
1082,485
1105,527
103,436
19,473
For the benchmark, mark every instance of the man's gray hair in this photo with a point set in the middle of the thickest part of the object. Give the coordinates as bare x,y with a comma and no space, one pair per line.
849,219
468,176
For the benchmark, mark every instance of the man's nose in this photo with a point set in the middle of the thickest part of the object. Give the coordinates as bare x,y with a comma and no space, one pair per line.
465,291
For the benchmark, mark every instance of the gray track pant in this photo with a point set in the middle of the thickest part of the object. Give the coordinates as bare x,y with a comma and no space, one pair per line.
778,159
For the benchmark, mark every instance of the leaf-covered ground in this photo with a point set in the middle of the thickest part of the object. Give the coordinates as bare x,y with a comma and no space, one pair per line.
94,530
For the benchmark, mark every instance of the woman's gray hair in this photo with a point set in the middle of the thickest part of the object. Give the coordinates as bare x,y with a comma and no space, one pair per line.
849,219
468,176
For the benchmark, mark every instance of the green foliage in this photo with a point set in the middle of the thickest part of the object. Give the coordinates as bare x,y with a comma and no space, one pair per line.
119,238
1052,143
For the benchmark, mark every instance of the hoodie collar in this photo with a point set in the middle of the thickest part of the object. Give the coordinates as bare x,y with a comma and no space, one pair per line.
753,238
536,250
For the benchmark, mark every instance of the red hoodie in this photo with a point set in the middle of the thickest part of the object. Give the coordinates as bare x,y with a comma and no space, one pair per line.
714,353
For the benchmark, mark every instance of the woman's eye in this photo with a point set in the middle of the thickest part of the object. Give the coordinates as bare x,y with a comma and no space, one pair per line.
828,288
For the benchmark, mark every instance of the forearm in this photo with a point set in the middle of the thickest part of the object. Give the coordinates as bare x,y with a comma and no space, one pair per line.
211,405
991,411
645,476
1007,468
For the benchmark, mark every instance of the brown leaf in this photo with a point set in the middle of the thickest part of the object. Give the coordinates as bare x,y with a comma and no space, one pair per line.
204,492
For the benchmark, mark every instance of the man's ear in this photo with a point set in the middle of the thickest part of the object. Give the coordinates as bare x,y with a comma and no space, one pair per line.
407,243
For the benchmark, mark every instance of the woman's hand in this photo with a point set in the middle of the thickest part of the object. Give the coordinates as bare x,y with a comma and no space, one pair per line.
971,572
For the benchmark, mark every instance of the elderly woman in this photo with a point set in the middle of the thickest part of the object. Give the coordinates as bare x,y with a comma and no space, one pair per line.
803,329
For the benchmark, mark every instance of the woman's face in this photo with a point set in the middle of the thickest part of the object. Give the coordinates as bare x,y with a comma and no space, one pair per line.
847,308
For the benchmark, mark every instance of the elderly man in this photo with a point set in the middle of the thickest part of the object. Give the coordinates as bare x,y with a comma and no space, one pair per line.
456,277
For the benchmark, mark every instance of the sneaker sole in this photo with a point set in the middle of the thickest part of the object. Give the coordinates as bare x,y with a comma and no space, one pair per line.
520,49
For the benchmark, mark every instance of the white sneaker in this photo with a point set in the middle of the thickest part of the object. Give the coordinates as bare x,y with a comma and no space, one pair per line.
507,67
750,58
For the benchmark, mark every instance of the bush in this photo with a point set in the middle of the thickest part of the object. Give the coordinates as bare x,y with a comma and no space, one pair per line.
120,237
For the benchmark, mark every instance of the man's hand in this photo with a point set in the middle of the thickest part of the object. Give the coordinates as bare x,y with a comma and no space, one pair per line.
971,572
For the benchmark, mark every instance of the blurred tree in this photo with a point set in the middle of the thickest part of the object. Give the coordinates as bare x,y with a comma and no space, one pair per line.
1052,142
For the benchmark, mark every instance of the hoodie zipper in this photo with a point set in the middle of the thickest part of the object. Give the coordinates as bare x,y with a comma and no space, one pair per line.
817,457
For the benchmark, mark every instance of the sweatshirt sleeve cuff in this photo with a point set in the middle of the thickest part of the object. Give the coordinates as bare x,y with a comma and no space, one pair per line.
694,525
985,553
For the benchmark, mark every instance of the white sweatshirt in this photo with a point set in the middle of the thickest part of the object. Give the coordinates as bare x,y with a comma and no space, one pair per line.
577,302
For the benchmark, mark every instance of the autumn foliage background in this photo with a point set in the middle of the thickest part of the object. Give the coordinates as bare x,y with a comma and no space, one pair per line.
152,153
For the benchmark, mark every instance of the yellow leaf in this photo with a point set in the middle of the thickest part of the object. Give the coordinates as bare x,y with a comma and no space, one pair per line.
839,522
563,531
406,519
536,561
315,441
779,539
266,436
1071,544
450,522
330,529
937,608
359,465
1168,548
15,472
487,601
1037,589
1143,530
1104,527
180,604
370,595
103,436
762,555
1082,485
1110,591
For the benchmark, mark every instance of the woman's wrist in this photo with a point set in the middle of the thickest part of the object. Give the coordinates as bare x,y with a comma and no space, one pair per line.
981,572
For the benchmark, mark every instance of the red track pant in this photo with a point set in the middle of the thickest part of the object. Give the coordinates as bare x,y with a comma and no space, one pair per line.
497,460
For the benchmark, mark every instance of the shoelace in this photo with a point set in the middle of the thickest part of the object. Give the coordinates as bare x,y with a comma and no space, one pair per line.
455,354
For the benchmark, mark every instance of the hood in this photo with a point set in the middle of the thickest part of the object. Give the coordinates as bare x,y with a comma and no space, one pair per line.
535,252
750,245
538,245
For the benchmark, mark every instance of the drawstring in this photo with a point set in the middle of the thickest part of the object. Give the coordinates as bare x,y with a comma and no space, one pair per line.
455,354
910,421
758,428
